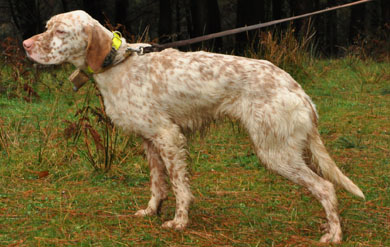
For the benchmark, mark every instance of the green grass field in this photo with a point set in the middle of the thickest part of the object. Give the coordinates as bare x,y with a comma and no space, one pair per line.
51,195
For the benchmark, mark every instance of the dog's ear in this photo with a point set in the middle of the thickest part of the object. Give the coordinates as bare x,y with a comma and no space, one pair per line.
99,46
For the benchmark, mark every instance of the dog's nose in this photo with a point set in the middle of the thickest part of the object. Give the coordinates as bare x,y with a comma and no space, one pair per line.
28,44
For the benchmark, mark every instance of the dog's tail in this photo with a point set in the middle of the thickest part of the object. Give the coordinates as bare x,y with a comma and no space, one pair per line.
328,167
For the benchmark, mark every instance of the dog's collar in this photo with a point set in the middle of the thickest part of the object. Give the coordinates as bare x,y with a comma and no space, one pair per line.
109,60
80,77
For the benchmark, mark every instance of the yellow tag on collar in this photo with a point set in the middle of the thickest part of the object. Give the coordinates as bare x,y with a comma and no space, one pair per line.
90,70
116,40
116,44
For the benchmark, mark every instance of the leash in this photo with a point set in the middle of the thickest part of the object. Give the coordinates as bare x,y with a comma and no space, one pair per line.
160,47
79,77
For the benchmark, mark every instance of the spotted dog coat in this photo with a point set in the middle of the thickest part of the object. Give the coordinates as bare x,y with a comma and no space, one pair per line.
160,95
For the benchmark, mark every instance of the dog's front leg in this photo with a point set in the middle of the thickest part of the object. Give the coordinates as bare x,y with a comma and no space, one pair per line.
158,183
171,143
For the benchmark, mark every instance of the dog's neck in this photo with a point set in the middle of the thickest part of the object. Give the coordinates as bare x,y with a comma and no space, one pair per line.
117,54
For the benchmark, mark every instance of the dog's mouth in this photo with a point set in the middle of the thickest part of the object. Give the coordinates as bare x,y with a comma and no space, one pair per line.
37,64
37,60
29,56
34,56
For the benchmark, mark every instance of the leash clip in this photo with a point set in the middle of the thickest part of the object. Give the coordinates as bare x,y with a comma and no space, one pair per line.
139,50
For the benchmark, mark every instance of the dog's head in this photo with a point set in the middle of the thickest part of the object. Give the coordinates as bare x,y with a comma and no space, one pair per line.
73,37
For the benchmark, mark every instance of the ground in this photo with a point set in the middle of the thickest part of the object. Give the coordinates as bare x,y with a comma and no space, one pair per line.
53,191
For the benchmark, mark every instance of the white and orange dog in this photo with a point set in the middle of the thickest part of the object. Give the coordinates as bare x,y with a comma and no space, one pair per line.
161,95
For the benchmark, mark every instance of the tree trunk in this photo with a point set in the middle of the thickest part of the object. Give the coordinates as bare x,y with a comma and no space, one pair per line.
249,12
331,29
319,23
69,5
385,6
95,9
357,21
301,7
26,16
277,9
206,20
178,20
165,21
121,7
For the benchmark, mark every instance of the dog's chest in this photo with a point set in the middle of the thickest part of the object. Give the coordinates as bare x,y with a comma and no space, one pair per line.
128,106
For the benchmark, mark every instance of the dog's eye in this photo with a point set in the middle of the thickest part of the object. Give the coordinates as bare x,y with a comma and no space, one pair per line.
60,32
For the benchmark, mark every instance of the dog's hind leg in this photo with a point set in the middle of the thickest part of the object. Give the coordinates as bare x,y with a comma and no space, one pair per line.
288,162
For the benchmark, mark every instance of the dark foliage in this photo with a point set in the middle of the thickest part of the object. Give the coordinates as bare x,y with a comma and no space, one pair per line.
170,20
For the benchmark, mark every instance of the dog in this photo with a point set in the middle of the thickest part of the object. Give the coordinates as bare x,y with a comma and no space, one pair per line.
162,95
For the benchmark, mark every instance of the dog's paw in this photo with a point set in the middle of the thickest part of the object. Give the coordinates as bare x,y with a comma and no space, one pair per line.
333,233
331,238
324,227
144,212
175,224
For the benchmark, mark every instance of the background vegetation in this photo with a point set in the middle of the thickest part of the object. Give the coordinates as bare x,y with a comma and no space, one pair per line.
170,20
68,177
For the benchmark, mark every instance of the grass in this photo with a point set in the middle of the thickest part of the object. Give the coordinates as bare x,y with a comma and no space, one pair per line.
51,195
